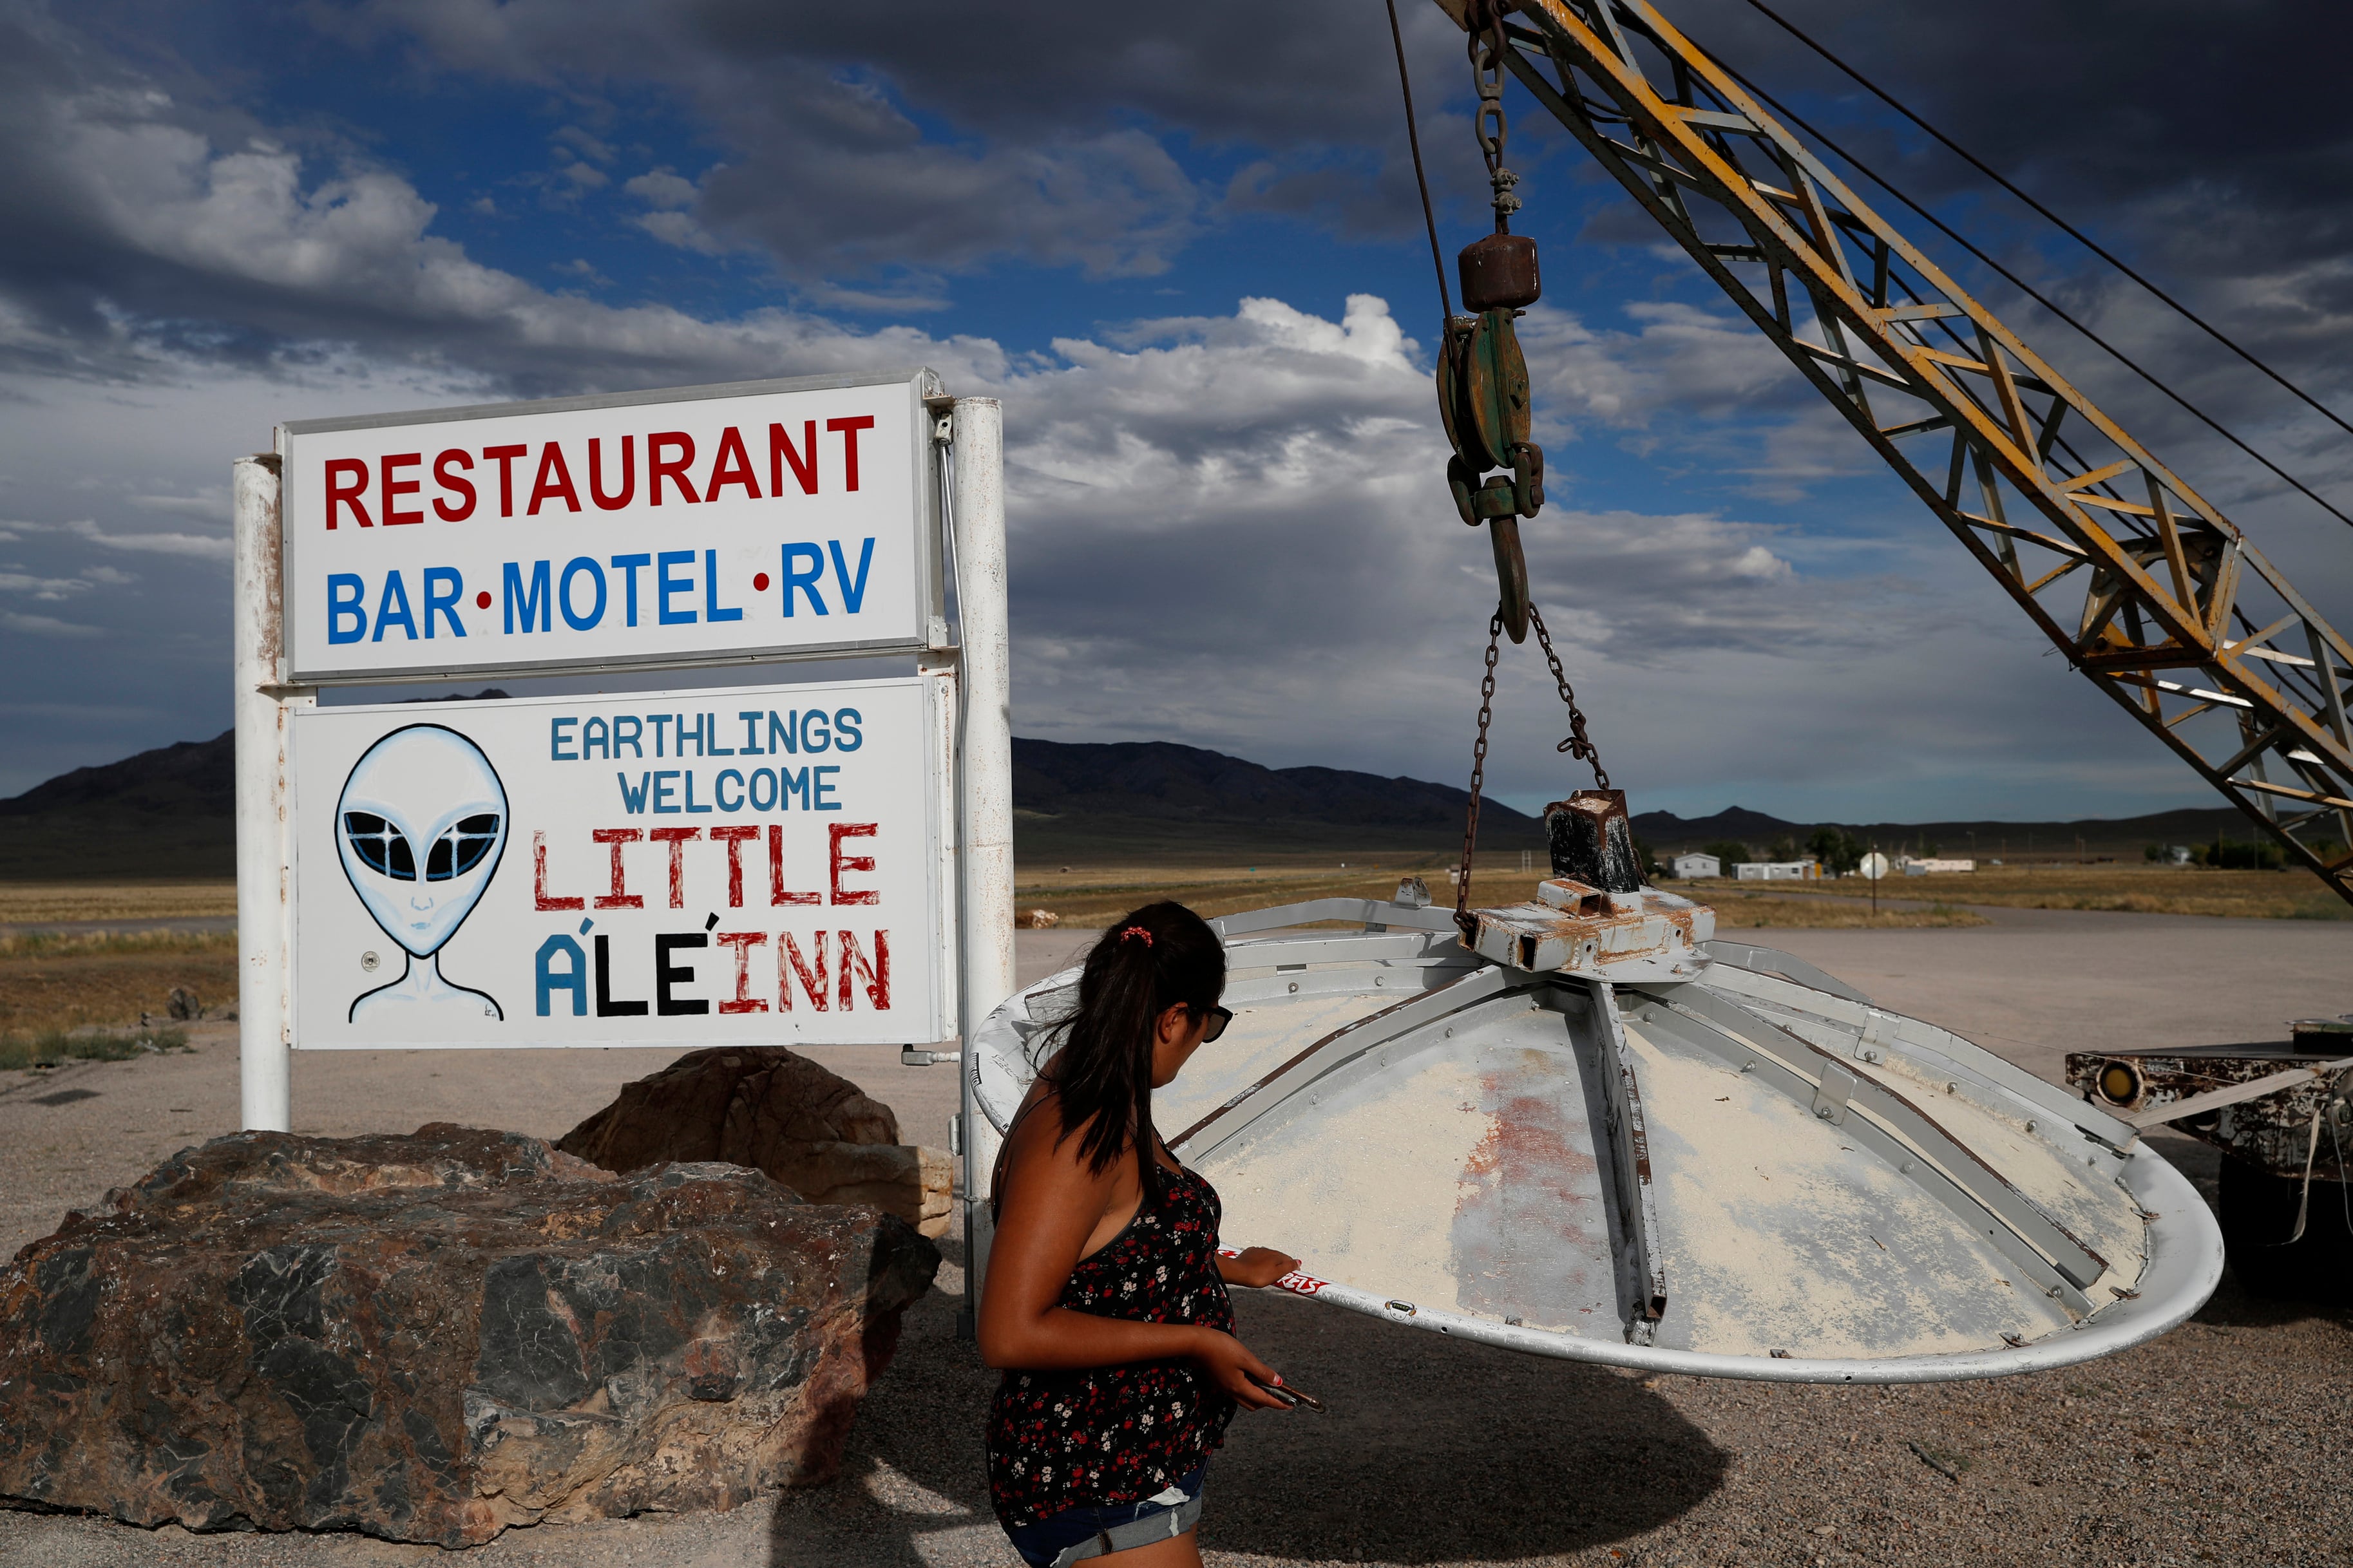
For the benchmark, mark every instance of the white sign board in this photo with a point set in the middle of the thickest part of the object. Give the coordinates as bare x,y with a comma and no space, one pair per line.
1872,866
749,865
694,525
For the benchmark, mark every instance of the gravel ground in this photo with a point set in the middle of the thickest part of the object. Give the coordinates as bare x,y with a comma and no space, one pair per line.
2224,1442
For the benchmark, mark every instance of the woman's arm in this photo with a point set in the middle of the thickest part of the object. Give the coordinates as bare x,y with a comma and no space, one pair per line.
1256,1266
1052,1204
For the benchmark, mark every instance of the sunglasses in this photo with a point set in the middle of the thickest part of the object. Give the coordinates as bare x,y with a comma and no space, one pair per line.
1218,1018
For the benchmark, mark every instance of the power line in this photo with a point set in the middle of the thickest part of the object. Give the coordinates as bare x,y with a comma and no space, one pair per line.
2022,284
2070,229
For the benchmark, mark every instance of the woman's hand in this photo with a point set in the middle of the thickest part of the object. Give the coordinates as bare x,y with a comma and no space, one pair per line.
1225,1359
1256,1266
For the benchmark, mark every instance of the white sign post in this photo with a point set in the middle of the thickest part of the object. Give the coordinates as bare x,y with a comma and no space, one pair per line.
804,863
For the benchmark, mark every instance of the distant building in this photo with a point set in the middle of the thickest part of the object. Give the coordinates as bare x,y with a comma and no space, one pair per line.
1913,868
2177,854
1696,864
1777,870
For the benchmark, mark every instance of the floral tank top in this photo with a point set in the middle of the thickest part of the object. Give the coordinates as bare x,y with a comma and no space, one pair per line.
1080,1436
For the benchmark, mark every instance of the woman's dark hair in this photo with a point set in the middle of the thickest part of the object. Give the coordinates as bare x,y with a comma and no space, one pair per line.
1152,959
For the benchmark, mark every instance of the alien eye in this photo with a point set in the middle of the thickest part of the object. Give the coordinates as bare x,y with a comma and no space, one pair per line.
461,849
380,847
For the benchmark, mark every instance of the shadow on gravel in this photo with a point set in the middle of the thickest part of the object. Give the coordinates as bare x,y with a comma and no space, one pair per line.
1436,1451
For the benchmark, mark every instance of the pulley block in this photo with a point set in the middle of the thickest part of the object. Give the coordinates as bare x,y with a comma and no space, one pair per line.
1498,272
1483,389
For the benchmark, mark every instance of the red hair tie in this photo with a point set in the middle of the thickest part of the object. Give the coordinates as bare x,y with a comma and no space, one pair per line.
1136,931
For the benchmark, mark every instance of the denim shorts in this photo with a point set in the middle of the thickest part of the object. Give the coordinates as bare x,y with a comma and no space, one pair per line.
1097,1530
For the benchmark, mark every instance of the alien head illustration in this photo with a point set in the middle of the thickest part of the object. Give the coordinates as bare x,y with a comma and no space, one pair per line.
420,827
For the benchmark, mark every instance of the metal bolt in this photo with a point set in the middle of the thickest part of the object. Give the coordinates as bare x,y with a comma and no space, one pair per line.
2030,1127
1294,985
368,961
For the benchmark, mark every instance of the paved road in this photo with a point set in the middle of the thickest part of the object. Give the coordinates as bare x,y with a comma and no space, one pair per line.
2034,984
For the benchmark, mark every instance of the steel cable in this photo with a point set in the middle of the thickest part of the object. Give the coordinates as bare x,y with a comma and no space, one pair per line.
2023,287
1421,181
2077,234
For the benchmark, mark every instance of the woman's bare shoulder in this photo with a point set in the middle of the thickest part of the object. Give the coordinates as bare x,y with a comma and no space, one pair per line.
1041,1136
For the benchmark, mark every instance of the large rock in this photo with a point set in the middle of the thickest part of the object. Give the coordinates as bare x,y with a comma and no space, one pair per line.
431,1338
766,1107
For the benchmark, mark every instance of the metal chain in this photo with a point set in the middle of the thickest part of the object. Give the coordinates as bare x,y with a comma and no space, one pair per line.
1487,75
1579,745
1478,776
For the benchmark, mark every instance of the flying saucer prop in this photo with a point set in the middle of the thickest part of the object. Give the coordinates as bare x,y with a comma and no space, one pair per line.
1597,1132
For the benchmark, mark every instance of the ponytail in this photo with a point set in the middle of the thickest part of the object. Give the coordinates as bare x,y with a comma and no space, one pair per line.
1158,957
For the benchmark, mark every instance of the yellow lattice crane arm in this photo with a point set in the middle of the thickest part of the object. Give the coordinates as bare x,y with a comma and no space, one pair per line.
2180,618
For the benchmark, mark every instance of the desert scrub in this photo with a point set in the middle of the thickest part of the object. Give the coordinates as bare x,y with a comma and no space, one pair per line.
68,982
48,1047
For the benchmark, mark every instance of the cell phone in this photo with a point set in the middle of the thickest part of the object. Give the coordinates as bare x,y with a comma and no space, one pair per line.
1292,1396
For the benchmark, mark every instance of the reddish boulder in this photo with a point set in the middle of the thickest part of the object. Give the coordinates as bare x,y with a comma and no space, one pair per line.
766,1107
433,1337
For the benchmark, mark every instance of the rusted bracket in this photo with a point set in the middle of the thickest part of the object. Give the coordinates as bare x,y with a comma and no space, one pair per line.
2214,1100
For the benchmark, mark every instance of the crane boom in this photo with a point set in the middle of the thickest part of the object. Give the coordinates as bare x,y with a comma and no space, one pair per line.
2183,621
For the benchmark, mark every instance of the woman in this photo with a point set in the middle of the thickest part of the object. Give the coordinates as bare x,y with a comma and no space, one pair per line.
1105,1301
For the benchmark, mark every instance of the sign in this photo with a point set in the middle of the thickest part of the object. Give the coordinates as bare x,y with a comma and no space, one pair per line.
747,865
1874,866
696,525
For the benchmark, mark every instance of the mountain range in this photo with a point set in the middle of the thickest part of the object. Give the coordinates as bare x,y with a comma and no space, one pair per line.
169,814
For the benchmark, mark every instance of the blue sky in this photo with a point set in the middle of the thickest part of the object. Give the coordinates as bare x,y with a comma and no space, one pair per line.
1185,250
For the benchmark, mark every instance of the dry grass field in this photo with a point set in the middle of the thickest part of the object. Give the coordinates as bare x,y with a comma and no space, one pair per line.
40,903
1087,896
1735,910
2143,889
83,995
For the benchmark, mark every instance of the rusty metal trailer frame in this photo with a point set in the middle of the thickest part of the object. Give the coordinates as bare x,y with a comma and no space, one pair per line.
2181,620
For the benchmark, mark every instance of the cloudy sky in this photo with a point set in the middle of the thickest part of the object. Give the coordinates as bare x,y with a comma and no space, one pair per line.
1182,245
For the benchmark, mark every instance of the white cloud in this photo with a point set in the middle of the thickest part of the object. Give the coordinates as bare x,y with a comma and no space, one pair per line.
211,505
681,229
50,589
662,189
584,144
203,546
46,627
